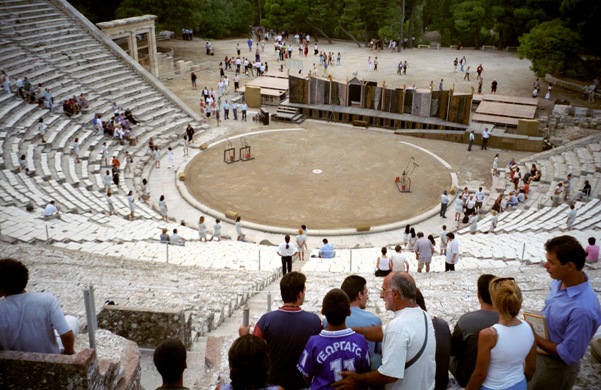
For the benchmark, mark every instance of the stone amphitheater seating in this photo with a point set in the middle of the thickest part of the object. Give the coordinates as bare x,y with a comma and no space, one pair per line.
125,261
73,63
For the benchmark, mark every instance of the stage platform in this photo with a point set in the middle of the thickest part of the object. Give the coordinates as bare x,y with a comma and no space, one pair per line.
377,118
504,110
273,88
505,99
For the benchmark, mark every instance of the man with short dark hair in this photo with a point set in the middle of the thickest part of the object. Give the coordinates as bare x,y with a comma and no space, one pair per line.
573,316
28,321
51,211
355,287
452,256
170,361
464,346
286,332
327,250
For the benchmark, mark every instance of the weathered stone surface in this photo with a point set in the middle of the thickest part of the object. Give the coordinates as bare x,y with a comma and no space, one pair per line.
147,327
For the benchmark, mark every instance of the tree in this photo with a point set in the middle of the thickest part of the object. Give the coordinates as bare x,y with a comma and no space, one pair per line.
551,47
468,17
97,11
171,14
583,16
350,22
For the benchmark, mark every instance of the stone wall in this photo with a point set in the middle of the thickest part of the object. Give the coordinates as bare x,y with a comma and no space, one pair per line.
568,123
145,326
567,84
166,64
109,367
24,370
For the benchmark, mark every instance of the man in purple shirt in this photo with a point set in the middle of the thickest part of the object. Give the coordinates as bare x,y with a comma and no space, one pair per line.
573,315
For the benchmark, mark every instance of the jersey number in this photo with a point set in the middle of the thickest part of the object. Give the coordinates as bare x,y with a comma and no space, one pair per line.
337,365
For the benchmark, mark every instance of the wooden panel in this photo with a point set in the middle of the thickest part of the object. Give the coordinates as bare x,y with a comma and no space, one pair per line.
505,109
509,99
499,120
269,82
298,92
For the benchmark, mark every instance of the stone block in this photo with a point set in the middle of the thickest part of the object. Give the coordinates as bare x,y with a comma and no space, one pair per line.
363,228
146,326
183,67
203,146
231,214
580,112
181,176
453,190
528,127
25,370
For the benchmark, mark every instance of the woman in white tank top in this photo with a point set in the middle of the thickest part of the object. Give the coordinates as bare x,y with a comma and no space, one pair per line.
383,264
506,346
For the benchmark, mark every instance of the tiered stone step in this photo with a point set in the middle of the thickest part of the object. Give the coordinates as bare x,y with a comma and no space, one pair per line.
210,295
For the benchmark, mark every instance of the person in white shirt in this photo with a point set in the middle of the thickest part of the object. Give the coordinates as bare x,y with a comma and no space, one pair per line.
479,199
485,136
286,250
42,129
444,202
471,138
452,252
443,240
238,225
216,230
176,238
398,260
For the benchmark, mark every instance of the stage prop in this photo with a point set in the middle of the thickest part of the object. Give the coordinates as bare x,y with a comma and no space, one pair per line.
403,182
229,154
262,116
245,154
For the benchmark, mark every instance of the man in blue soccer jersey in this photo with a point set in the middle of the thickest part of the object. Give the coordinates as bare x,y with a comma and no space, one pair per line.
337,348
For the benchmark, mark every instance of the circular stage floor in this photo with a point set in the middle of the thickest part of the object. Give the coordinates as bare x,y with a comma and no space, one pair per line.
326,178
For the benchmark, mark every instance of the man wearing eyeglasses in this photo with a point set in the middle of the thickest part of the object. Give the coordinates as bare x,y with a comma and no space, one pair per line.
573,315
408,345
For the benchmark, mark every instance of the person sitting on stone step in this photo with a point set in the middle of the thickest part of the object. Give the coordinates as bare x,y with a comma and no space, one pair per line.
31,321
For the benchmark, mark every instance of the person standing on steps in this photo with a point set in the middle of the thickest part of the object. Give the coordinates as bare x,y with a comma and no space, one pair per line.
452,252
301,242
42,130
286,250
132,206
